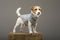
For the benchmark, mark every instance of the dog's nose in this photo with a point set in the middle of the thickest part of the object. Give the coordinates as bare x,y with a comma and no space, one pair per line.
38,13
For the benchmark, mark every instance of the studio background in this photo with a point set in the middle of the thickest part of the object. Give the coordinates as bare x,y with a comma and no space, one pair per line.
48,23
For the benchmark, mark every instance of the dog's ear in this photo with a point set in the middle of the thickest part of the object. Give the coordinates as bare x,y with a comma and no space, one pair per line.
36,6
40,8
32,8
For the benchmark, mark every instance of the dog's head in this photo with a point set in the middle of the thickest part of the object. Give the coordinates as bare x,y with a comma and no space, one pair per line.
36,11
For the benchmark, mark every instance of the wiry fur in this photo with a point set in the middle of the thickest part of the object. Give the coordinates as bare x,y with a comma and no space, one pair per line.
27,20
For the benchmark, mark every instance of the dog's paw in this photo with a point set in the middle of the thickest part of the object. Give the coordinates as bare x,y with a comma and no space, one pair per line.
13,31
30,32
35,32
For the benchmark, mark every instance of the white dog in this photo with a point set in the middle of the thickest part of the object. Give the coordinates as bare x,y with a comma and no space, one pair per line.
28,19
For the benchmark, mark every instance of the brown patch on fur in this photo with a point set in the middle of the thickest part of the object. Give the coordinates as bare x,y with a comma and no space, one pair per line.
35,8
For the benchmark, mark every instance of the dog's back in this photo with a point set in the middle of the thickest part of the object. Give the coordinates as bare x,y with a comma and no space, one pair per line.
26,17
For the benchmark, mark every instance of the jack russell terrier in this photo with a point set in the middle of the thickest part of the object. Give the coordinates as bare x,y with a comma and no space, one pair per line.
28,19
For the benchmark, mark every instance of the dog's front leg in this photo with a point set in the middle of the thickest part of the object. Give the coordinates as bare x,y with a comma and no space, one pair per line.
29,27
34,28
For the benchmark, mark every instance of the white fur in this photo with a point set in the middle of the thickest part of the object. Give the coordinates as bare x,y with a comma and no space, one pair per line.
17,11
29,18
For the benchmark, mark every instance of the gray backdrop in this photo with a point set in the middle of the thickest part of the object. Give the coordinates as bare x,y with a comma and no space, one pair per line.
49,21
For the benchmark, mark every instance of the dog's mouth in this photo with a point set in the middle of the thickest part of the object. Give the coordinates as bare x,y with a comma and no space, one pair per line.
38,13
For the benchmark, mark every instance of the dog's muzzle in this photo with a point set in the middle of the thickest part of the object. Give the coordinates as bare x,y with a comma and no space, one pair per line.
38,13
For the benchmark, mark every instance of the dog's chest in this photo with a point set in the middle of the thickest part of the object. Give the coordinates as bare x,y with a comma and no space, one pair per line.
33,21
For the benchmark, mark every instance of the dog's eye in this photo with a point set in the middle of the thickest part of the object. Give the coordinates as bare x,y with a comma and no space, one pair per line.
35,9
39,9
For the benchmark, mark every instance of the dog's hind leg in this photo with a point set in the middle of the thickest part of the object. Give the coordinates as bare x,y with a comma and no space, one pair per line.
14,30
18,22
21,25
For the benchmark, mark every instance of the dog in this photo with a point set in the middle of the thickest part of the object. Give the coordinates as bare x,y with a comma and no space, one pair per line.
28,19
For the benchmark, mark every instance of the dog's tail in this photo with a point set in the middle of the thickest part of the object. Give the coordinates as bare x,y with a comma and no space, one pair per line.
17,11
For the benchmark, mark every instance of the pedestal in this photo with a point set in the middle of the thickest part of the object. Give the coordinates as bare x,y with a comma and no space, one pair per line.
25,36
